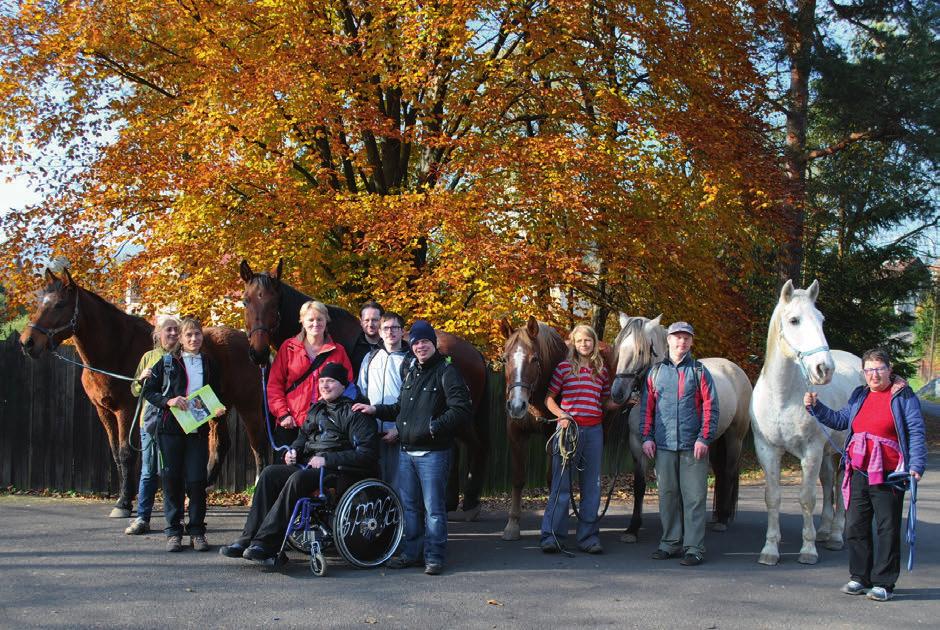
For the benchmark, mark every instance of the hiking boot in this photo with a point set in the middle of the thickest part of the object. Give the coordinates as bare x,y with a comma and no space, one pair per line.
137,527
550,547
659,554
691,560
174,544
853,587
594,549
433,569
880,594
401,562
199,542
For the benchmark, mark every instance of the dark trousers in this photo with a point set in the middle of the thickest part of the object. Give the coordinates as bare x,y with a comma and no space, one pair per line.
278,489
185,458
874,562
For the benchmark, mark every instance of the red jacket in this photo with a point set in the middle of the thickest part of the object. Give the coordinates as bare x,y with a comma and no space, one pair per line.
290,364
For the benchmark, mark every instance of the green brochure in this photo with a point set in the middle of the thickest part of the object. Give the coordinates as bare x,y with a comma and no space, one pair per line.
203,405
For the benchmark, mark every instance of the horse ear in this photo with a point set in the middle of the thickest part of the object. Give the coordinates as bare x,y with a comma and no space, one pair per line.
622,318
786,293
280,268
68,277
532,327
52,277
505,327
244,270
653,324
813,290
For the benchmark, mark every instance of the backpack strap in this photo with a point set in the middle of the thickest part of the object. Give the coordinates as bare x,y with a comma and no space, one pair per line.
319,360
167,372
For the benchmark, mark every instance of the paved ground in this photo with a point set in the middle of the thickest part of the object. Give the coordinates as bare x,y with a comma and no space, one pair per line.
63,564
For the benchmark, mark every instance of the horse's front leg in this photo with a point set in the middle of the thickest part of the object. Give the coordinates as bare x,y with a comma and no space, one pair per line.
769,457
518,441
640,468
810,463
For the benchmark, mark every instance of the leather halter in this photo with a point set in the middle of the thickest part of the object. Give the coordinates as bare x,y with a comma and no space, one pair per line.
51,333
638,375
266,329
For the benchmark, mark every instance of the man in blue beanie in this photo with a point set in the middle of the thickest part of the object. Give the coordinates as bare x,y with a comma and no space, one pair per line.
434,401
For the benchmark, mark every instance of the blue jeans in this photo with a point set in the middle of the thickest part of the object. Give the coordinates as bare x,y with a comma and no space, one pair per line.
389,455
586,463
422,482
149,480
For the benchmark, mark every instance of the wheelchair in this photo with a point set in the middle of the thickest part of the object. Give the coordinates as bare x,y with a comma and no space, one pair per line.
365,524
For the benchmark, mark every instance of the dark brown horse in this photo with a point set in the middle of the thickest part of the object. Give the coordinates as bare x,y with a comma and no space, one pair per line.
272,310
109,339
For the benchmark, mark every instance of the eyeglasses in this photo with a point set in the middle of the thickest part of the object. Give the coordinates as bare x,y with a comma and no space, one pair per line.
877,370
390,328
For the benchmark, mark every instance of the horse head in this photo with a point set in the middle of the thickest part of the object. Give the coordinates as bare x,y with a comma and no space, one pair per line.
262,300
640,344
799,325
523,365
56,316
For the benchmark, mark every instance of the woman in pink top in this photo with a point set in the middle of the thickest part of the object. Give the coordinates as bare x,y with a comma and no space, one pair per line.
579,387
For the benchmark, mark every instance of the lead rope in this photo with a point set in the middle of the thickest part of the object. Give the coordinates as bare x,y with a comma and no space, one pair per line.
267,414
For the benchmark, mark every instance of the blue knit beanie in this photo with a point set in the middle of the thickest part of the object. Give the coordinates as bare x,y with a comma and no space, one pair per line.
422,330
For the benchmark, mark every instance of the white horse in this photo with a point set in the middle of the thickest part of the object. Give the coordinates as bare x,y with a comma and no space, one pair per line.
797,356
640,345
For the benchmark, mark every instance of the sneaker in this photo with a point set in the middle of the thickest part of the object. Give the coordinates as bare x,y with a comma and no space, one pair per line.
594,549
691,560
433,569
235,550
401,562
199,542
659,554
880,594
137,527
257,553
853,587
174,544
550,547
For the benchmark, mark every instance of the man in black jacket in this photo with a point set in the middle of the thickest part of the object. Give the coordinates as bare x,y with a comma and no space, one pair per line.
370,316
332,435
434,401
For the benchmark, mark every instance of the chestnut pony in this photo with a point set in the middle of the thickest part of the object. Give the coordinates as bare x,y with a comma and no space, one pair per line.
109,339
271,317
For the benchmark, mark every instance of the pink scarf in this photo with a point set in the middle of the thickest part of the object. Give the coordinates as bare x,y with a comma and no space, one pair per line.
855,457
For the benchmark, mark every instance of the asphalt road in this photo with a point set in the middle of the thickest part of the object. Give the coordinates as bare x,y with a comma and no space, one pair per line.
62,563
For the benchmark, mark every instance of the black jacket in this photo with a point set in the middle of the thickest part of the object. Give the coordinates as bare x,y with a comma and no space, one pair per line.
433,403
158,413
342,437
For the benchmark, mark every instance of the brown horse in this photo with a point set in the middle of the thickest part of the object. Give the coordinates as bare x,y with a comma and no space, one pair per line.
530,354
272,310
109,339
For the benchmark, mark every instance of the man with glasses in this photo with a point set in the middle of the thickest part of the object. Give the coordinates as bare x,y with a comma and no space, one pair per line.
380,381
370,314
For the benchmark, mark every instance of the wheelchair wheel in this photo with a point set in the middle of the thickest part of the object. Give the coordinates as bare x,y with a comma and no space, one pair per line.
318,564
300,539
368,523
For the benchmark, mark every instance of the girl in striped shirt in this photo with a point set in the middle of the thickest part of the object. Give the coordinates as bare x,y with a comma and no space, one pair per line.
577,392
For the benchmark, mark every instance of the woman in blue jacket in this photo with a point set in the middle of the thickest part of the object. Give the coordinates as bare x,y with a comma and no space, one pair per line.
885,447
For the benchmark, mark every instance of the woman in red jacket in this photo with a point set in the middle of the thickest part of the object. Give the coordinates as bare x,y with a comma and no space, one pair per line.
292,384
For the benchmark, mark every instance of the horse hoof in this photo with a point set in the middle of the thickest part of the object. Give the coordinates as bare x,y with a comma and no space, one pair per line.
768,559
720,527
473,513
511,533
119,512
628,537
808,558
833,545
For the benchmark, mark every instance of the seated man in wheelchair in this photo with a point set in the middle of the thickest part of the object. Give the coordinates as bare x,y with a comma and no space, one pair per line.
332,436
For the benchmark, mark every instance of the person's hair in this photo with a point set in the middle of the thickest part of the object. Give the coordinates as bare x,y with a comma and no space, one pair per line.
189,322
595,361
371,304
158,331
876,354
319,307
391,316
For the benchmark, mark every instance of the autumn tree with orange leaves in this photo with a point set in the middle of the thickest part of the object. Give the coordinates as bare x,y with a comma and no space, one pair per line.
459,161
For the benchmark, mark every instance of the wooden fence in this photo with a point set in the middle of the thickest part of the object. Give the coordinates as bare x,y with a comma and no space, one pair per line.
51,438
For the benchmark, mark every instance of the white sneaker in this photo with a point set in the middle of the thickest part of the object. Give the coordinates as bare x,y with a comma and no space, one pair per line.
853,587
880,594
137,527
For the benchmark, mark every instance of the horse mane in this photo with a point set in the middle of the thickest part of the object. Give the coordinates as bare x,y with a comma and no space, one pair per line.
635,326
133,320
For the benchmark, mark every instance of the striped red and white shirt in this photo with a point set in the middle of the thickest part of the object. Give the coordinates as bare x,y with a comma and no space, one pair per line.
581,392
